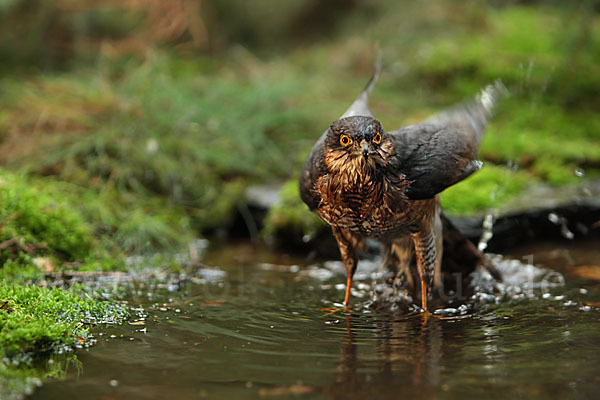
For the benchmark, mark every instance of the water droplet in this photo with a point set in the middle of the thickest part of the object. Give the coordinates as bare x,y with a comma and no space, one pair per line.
566,232
488,227
562,221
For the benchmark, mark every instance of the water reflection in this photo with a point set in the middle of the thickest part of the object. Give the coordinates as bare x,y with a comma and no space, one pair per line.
544,353
408,355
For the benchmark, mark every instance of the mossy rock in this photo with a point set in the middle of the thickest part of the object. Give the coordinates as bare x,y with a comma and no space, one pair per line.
289,223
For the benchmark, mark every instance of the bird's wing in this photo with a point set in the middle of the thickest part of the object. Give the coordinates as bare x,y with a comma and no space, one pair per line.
360,107
312,170
442,151
314,166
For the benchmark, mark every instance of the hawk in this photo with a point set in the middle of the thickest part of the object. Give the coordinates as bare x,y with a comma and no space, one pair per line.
366,182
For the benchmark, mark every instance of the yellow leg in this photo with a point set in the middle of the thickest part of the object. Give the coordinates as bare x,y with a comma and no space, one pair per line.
426,259
348,291
423,292
348,245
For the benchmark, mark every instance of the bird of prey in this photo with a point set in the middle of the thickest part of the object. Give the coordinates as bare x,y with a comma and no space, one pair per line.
367,182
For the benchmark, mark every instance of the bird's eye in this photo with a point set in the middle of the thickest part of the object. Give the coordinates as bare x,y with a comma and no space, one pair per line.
377,138
345,140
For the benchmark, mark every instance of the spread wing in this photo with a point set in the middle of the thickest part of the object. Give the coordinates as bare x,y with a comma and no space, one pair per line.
442,151
314,166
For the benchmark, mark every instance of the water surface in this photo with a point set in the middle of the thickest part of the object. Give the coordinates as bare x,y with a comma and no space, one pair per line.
253,328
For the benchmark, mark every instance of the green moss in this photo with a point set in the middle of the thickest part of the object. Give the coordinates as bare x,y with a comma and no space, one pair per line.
37,323
21,268
487,188
68,223
550,142
129,223
554,172
522,45
34,224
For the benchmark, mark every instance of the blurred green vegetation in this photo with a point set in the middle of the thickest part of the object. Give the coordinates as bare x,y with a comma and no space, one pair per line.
37,224
158,115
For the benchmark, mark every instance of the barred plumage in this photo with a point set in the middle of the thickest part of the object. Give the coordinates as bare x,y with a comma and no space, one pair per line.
365,182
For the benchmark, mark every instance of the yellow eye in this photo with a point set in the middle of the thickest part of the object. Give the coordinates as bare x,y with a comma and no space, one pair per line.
377,138
345,140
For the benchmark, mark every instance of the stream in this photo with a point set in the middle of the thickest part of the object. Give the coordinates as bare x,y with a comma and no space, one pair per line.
253,326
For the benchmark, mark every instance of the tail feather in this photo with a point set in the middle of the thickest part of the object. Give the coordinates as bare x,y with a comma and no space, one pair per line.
472,116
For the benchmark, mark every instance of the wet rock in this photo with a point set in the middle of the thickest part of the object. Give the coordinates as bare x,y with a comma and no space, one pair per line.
545,212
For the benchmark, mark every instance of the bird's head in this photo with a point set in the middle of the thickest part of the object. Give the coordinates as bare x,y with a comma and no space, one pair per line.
356,143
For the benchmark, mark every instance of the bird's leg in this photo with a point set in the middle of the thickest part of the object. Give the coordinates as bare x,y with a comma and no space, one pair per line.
349,257
425,250
428,249
439,251
397,256
402,248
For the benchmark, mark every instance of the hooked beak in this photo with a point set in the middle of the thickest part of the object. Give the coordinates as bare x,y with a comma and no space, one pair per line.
365,148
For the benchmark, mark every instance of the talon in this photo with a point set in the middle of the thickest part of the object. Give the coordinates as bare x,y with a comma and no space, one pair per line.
426,314
332,310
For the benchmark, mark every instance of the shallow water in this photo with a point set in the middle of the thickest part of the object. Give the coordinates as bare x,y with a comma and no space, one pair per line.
253,328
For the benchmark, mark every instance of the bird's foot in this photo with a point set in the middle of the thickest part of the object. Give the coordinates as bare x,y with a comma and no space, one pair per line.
425,313
335,309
